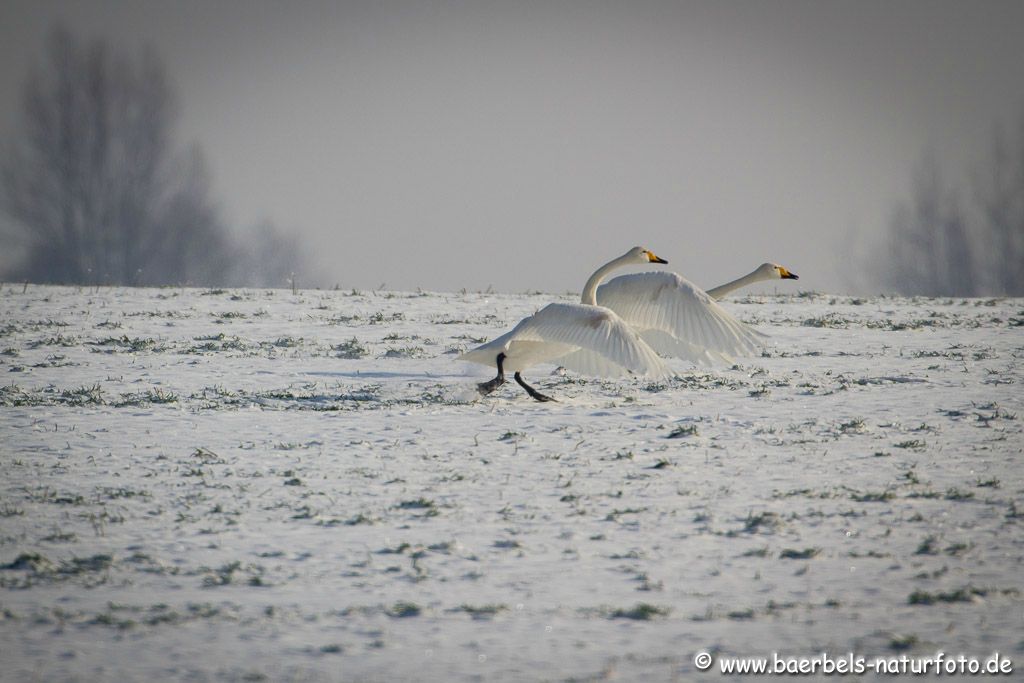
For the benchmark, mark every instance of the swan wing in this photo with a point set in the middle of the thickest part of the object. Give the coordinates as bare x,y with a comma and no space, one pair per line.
677,318
522,347
584,362
606,345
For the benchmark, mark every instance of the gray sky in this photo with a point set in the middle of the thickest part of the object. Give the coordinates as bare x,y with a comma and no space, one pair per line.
522,144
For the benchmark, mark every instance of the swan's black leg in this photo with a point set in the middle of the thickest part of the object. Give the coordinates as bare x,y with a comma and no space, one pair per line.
487,387
531,391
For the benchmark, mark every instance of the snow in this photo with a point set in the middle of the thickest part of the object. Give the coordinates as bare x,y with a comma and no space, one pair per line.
265,485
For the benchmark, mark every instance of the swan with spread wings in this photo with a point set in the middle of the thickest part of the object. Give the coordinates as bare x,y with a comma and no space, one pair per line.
619,332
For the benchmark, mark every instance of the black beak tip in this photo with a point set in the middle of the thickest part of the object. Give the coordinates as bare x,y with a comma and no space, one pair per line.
658,259
792,276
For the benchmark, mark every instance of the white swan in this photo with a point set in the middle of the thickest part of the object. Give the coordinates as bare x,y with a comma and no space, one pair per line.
600,339
765,271
677,318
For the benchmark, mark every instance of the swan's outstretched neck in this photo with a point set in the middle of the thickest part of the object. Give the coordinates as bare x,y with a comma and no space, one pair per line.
748,279
589,295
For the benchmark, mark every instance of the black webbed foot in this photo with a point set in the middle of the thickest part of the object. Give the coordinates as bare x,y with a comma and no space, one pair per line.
534,394
487,387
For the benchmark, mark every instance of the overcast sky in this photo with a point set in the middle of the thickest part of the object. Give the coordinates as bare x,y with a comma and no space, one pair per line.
444,145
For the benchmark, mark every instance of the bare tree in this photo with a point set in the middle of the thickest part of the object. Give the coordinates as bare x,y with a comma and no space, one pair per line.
96,191
999,197
941,245
929,250
189,244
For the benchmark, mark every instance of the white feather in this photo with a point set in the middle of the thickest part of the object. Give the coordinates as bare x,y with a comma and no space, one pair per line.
677,318
606,345
598,341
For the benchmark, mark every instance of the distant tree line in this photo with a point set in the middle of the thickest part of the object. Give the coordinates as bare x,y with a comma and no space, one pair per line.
947,242
96,191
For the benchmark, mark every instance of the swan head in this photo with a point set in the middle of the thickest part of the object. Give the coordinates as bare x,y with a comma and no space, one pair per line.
641,255
773,271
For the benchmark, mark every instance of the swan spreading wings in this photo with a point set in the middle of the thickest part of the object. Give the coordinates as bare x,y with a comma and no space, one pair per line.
595,334
620,329
675,318
678,319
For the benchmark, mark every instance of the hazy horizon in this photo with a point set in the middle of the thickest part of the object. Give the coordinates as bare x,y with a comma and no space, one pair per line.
520,145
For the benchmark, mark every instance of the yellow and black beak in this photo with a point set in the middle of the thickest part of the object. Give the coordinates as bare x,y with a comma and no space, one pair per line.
786,275
655,259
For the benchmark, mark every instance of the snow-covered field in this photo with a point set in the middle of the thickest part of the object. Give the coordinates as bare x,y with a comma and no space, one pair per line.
259,485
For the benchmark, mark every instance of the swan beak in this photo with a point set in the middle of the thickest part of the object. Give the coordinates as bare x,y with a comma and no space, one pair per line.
786,275
655,259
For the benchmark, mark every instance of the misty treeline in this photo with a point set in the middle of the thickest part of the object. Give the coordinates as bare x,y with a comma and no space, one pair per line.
95,189
960,241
